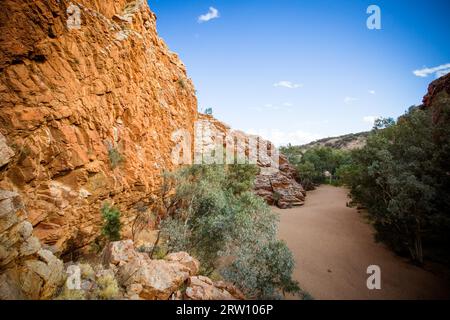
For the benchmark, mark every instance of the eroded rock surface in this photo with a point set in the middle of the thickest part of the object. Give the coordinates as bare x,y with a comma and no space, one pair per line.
27,271
148,279
203,288
86,113
276,182
438,99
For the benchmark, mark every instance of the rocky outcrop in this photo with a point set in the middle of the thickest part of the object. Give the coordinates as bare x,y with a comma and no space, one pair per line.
438,99
27,271
90,96
144,278
280,189
202,288
276,182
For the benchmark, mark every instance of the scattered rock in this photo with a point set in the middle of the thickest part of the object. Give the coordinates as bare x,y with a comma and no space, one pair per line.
158,278
186,260
203,288
119,252
147,279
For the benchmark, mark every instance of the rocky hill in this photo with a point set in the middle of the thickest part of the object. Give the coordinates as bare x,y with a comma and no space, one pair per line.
345,142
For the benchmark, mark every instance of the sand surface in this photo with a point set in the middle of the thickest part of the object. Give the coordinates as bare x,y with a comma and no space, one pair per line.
333,246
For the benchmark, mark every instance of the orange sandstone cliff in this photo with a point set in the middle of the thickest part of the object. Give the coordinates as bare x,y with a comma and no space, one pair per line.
86,114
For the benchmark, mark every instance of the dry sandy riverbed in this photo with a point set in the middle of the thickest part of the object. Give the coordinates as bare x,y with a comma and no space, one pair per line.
333,246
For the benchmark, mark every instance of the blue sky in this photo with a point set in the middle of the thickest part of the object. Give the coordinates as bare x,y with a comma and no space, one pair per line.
294,71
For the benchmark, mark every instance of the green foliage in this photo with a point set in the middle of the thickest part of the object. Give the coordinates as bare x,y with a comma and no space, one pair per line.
263,269
383,123
220,221
402,178
115,158
208,111
313,163
241,177
111,222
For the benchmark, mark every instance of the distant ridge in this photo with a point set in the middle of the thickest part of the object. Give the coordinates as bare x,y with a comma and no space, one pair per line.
345,142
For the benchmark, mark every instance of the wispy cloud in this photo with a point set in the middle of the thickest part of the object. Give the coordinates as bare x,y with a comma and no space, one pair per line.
370,119
213,13
372,91
349,100
287,84
439,71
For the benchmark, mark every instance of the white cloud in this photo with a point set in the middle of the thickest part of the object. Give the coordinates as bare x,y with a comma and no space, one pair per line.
439,71
370,119
348,100
288,104
372,91
442,73
279,137
288,84
213,13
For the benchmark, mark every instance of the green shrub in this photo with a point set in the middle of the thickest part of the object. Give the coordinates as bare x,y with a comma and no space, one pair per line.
111,222
108,289
401,177
312,164
115,158
264,269
229,229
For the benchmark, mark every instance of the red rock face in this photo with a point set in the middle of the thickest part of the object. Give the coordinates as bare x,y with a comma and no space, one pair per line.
438,97
88,112
277,185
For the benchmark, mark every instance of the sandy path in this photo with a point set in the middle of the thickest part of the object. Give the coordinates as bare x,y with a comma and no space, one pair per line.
333,247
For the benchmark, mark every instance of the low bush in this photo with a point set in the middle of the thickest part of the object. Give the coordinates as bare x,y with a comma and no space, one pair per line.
111,222
115,158
229,229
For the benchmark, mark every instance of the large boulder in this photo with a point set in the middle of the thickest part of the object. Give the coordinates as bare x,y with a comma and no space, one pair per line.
119,252
280,189
156,279
203,288
149,279
186,260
